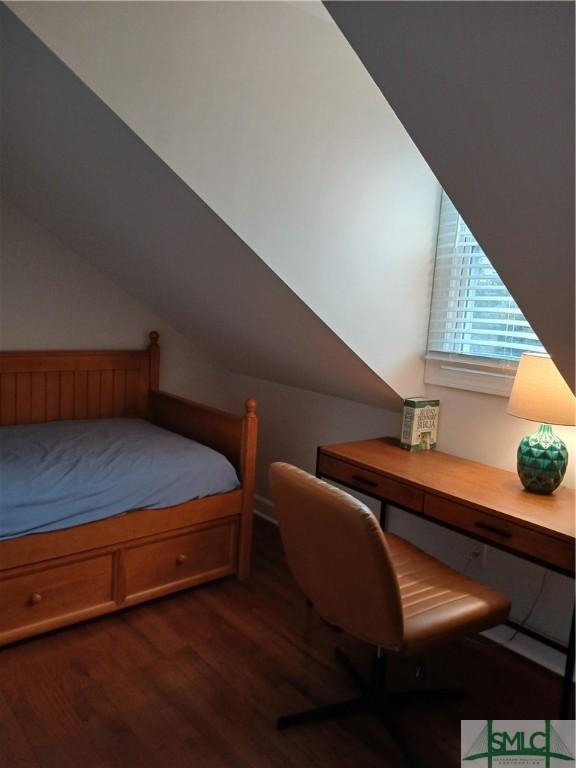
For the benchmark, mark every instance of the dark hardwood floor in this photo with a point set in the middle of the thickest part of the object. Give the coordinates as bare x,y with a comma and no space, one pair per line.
197,679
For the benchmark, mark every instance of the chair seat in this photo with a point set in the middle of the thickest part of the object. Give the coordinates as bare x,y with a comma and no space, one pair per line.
438,603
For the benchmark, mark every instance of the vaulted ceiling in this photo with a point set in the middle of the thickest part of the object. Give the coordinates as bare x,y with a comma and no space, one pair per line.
235,166
265,112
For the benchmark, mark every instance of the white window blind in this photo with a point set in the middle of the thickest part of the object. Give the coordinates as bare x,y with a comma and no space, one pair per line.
472,311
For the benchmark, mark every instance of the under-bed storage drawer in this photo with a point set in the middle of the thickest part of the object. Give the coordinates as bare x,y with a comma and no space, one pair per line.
37,601
160,567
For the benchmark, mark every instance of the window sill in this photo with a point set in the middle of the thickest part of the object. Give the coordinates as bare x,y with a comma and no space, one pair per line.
476,374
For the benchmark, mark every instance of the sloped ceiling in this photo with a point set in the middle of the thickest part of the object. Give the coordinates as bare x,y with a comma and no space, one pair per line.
486,90
265,111
82,173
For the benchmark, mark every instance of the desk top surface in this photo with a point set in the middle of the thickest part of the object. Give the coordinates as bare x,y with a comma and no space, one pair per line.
478,485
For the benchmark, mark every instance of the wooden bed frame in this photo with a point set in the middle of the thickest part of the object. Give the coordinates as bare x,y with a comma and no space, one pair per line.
49,580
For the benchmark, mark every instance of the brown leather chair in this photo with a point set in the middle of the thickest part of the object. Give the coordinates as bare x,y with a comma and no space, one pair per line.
373,585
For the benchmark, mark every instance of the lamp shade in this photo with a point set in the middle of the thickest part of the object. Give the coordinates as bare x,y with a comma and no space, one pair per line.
540,393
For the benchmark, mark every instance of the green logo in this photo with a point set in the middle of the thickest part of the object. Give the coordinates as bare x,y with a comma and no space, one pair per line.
543,743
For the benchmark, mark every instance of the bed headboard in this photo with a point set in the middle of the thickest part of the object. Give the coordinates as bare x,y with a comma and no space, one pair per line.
49,386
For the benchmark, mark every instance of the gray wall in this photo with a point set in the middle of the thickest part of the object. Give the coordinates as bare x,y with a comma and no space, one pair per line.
486,90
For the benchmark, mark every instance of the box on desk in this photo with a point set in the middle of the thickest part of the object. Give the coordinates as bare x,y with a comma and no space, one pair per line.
419,424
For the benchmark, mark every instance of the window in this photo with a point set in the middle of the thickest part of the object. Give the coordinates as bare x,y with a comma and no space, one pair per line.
477,332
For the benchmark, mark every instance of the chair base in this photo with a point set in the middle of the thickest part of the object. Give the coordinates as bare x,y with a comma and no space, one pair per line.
373,699
325,712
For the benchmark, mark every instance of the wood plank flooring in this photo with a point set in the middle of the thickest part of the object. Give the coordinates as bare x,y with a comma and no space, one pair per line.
197,679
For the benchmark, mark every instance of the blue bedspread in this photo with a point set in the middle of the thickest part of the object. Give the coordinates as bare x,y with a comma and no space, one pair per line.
65,473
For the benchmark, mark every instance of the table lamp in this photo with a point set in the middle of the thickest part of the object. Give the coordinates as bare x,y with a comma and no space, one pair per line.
540,394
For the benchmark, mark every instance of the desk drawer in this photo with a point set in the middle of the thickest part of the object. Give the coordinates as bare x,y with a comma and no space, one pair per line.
502,533
181,561
371,483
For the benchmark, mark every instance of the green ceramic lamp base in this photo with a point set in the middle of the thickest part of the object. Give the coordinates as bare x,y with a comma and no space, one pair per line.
542,461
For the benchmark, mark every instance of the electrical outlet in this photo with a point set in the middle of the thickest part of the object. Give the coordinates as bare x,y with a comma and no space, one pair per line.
476,553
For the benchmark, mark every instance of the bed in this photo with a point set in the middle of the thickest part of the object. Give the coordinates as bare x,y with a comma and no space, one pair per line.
58,565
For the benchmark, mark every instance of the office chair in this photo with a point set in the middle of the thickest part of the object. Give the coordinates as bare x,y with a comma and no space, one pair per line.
373,585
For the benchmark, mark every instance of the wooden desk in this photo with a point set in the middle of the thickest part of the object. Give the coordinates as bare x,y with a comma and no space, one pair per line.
482,502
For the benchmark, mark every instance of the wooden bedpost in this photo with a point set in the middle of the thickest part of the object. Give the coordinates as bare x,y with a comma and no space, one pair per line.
248,479
154,352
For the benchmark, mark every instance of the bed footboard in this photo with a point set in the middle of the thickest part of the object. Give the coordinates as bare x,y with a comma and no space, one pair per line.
233,436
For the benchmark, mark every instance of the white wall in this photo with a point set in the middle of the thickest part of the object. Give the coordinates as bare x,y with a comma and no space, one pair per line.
477,427
266,112
52,299
293,422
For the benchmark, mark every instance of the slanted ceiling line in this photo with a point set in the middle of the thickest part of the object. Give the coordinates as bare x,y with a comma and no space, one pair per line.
76,168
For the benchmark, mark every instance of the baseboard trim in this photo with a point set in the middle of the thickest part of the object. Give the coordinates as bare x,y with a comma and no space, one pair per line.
264,516
264,508
527,647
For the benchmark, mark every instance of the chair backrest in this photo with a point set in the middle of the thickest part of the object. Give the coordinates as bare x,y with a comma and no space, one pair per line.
338,555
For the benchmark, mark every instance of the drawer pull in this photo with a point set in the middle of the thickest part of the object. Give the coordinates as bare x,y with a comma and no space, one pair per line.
35,598
181,559
493,529
365,481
